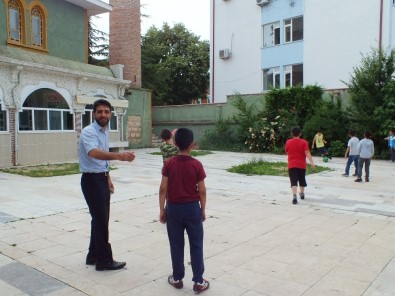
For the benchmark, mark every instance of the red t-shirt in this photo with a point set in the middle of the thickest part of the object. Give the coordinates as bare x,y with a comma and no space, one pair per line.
184,172
296,149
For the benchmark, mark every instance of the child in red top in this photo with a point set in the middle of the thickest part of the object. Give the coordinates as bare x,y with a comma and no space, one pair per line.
297,150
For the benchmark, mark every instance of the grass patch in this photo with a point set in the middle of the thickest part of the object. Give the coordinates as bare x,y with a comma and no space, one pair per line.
49,170
261,167
194,153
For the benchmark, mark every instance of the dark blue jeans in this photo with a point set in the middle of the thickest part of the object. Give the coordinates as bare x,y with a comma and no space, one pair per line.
352,159
181,217
97,196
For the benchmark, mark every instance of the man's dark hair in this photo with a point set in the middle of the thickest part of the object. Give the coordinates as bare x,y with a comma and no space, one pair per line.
296,131
101,102
368,134
183,138
351,133
165,134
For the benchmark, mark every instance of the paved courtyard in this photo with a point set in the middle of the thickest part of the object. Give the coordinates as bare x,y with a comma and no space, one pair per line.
339,241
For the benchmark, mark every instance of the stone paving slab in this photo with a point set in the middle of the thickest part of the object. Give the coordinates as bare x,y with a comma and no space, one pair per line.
339,241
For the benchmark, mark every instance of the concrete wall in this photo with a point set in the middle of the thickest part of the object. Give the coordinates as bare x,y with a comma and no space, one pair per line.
42,148
137,119
5,150
198,118
236,25
336,32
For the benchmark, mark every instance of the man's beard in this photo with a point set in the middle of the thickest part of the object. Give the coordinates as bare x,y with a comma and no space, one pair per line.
103,121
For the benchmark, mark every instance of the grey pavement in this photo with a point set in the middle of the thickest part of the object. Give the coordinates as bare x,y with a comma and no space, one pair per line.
340,240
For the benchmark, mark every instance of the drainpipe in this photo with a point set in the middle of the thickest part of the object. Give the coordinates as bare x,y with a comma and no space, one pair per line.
212,70
381,27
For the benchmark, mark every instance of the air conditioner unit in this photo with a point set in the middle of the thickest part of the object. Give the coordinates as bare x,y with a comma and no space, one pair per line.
262,2
224,54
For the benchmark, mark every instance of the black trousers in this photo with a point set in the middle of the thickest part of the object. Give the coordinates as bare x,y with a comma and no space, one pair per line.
97,196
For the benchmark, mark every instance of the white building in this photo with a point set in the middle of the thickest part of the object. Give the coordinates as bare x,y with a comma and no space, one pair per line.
259,44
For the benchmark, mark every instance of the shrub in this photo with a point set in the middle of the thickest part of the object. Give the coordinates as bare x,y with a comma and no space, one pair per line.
337,148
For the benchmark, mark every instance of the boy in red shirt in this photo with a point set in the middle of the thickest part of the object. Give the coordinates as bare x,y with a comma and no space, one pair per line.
297,150
183,180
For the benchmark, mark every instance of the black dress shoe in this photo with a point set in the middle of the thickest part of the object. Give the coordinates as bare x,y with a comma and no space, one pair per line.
114,265
90,260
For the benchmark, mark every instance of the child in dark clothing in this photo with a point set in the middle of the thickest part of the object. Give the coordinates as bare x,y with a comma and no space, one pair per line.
183,181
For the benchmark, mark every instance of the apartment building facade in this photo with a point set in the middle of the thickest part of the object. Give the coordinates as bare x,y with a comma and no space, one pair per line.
284,43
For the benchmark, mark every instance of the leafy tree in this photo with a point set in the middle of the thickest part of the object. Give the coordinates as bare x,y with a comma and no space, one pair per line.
98,45
174,64
371,87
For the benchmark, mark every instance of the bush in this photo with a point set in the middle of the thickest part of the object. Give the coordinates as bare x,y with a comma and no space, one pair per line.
221,138
337,148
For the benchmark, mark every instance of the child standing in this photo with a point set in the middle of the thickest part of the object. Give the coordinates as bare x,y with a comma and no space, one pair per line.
352,153
366,152
319,142
297,150
167,148
391,144
183,181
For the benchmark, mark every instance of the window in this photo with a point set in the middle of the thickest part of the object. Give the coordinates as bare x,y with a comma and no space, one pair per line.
293,29
87,118
45,109
271,78
271,34
15,18
37,34
3,119
293,75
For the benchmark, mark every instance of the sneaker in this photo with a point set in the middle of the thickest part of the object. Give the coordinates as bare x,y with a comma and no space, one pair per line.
344,175
358,180
301,196
200,287
366,179
176,284
354,175
294,201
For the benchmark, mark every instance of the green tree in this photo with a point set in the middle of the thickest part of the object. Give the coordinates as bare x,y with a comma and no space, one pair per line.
98,45
371,87
174,64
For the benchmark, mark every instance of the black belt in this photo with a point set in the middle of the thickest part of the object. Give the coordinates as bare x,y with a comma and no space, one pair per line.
99,174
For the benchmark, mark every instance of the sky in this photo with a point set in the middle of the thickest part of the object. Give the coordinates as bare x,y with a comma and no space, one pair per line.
194,14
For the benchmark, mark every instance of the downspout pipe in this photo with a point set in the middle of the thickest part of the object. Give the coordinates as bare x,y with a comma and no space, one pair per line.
212,70
381,27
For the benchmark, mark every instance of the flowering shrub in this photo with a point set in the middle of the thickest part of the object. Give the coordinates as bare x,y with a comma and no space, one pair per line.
262,136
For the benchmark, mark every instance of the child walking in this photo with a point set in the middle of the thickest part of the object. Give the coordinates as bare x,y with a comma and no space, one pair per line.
366,152
183,181
297,150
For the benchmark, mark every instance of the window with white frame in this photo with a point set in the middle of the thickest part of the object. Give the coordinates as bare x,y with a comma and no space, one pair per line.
293,29
87,118
3,119
293,75
271,78
37,27
271,34
45,110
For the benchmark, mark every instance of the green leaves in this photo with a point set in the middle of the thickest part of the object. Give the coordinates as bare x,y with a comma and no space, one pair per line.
175,65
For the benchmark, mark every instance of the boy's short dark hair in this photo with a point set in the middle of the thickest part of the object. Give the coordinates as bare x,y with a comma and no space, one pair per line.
351,132
101,102
165,134
296,131
183,138
393,130
368,134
